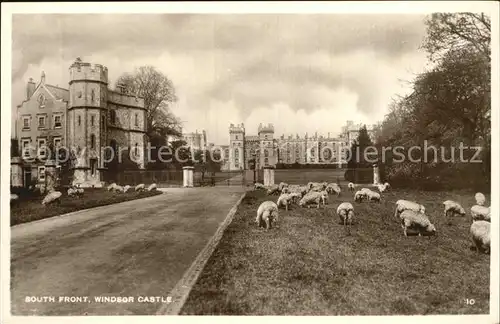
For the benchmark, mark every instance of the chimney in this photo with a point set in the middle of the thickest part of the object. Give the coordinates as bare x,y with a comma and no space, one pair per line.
42,79
30,88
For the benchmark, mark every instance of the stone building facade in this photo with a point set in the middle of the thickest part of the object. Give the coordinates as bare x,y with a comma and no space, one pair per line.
88,118
350,132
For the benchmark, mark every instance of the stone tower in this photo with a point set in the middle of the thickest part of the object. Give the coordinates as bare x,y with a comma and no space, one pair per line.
267,151
87,120
236,147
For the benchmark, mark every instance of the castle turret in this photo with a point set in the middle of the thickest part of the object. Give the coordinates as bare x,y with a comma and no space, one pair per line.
236,146
87,119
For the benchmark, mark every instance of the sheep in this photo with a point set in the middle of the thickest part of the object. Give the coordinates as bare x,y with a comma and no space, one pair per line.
13,197
79,191
480,199
346,212
126,188
139,187
351,186
274,189
333,188
360,195
282,185
284,200
381,187
285,190
267,214
72,192
152,187
258,186
373,196
111,186
480,232
480,213
313,197
416,221
320,185
387,185
302,190
118,188
296,196
54,196
402,205
452,208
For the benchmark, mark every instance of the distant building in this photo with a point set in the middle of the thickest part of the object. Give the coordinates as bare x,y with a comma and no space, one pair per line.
86,118
196,141
350,132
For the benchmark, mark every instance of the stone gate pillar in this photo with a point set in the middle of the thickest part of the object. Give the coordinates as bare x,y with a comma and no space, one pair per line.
376,175
187,176
50,175
16,172
268,175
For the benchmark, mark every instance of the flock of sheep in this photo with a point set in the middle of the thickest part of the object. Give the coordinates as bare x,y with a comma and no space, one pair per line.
412,215
140,187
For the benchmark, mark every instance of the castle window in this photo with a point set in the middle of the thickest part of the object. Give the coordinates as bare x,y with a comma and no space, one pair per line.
92,120
41,101
26,122
41,173
112,116
57,121
266,161
136,150
103,122
93,166
236,137
42,147
41,121
26,147
79,120
57,141
92,95
92,141
137,120
266,153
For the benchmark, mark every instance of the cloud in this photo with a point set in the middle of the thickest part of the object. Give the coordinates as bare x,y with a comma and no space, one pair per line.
315,70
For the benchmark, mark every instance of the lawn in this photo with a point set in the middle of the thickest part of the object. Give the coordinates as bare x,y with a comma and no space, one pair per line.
28,210
304,176
308,265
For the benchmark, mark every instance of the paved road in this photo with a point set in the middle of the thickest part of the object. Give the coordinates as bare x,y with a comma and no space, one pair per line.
133,249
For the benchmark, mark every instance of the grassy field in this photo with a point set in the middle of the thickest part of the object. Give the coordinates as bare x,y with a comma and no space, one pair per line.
304,176
308,265
25,210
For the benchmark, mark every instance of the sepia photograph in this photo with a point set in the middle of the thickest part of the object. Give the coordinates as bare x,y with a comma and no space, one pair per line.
250,159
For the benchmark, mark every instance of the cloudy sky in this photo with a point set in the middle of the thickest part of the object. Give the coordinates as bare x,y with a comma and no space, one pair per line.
303,73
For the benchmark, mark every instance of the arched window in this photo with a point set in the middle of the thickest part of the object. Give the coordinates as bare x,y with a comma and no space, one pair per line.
41,101
137,120
92,141
136,150
236,154
79,120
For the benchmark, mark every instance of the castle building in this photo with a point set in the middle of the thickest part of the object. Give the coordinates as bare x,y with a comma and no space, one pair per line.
350,132
196,141
88,118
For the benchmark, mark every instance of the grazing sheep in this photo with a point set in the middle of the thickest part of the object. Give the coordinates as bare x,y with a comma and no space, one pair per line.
54,196
79,191
296,196
273,190
373,196
316,185
359,196
351,186
346,212
452,208
480,232
416,221
313,197
480,199
139,187
333,188
302,190
258,186
126,188
111,186
282,186
152,187
285,190
267,214
72,192
13,197
284,200
480,213
118,188
381,187
402,205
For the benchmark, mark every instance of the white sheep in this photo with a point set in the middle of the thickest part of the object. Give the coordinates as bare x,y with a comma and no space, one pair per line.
282,185
480,199
54,196
296,196
267,214
139,187
480,232
333,188
387,185
302,190
402,205
79,191
258,186
14,197
111,186
381,187
126,188
118,188
373,196
313,197
360,195
346,213
351,186
480,213
452,208
272,190
152,187
284,200
285,190
416,221
72,192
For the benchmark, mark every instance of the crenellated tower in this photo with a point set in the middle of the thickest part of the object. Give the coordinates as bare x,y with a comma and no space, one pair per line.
87,113
267,151
236,146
